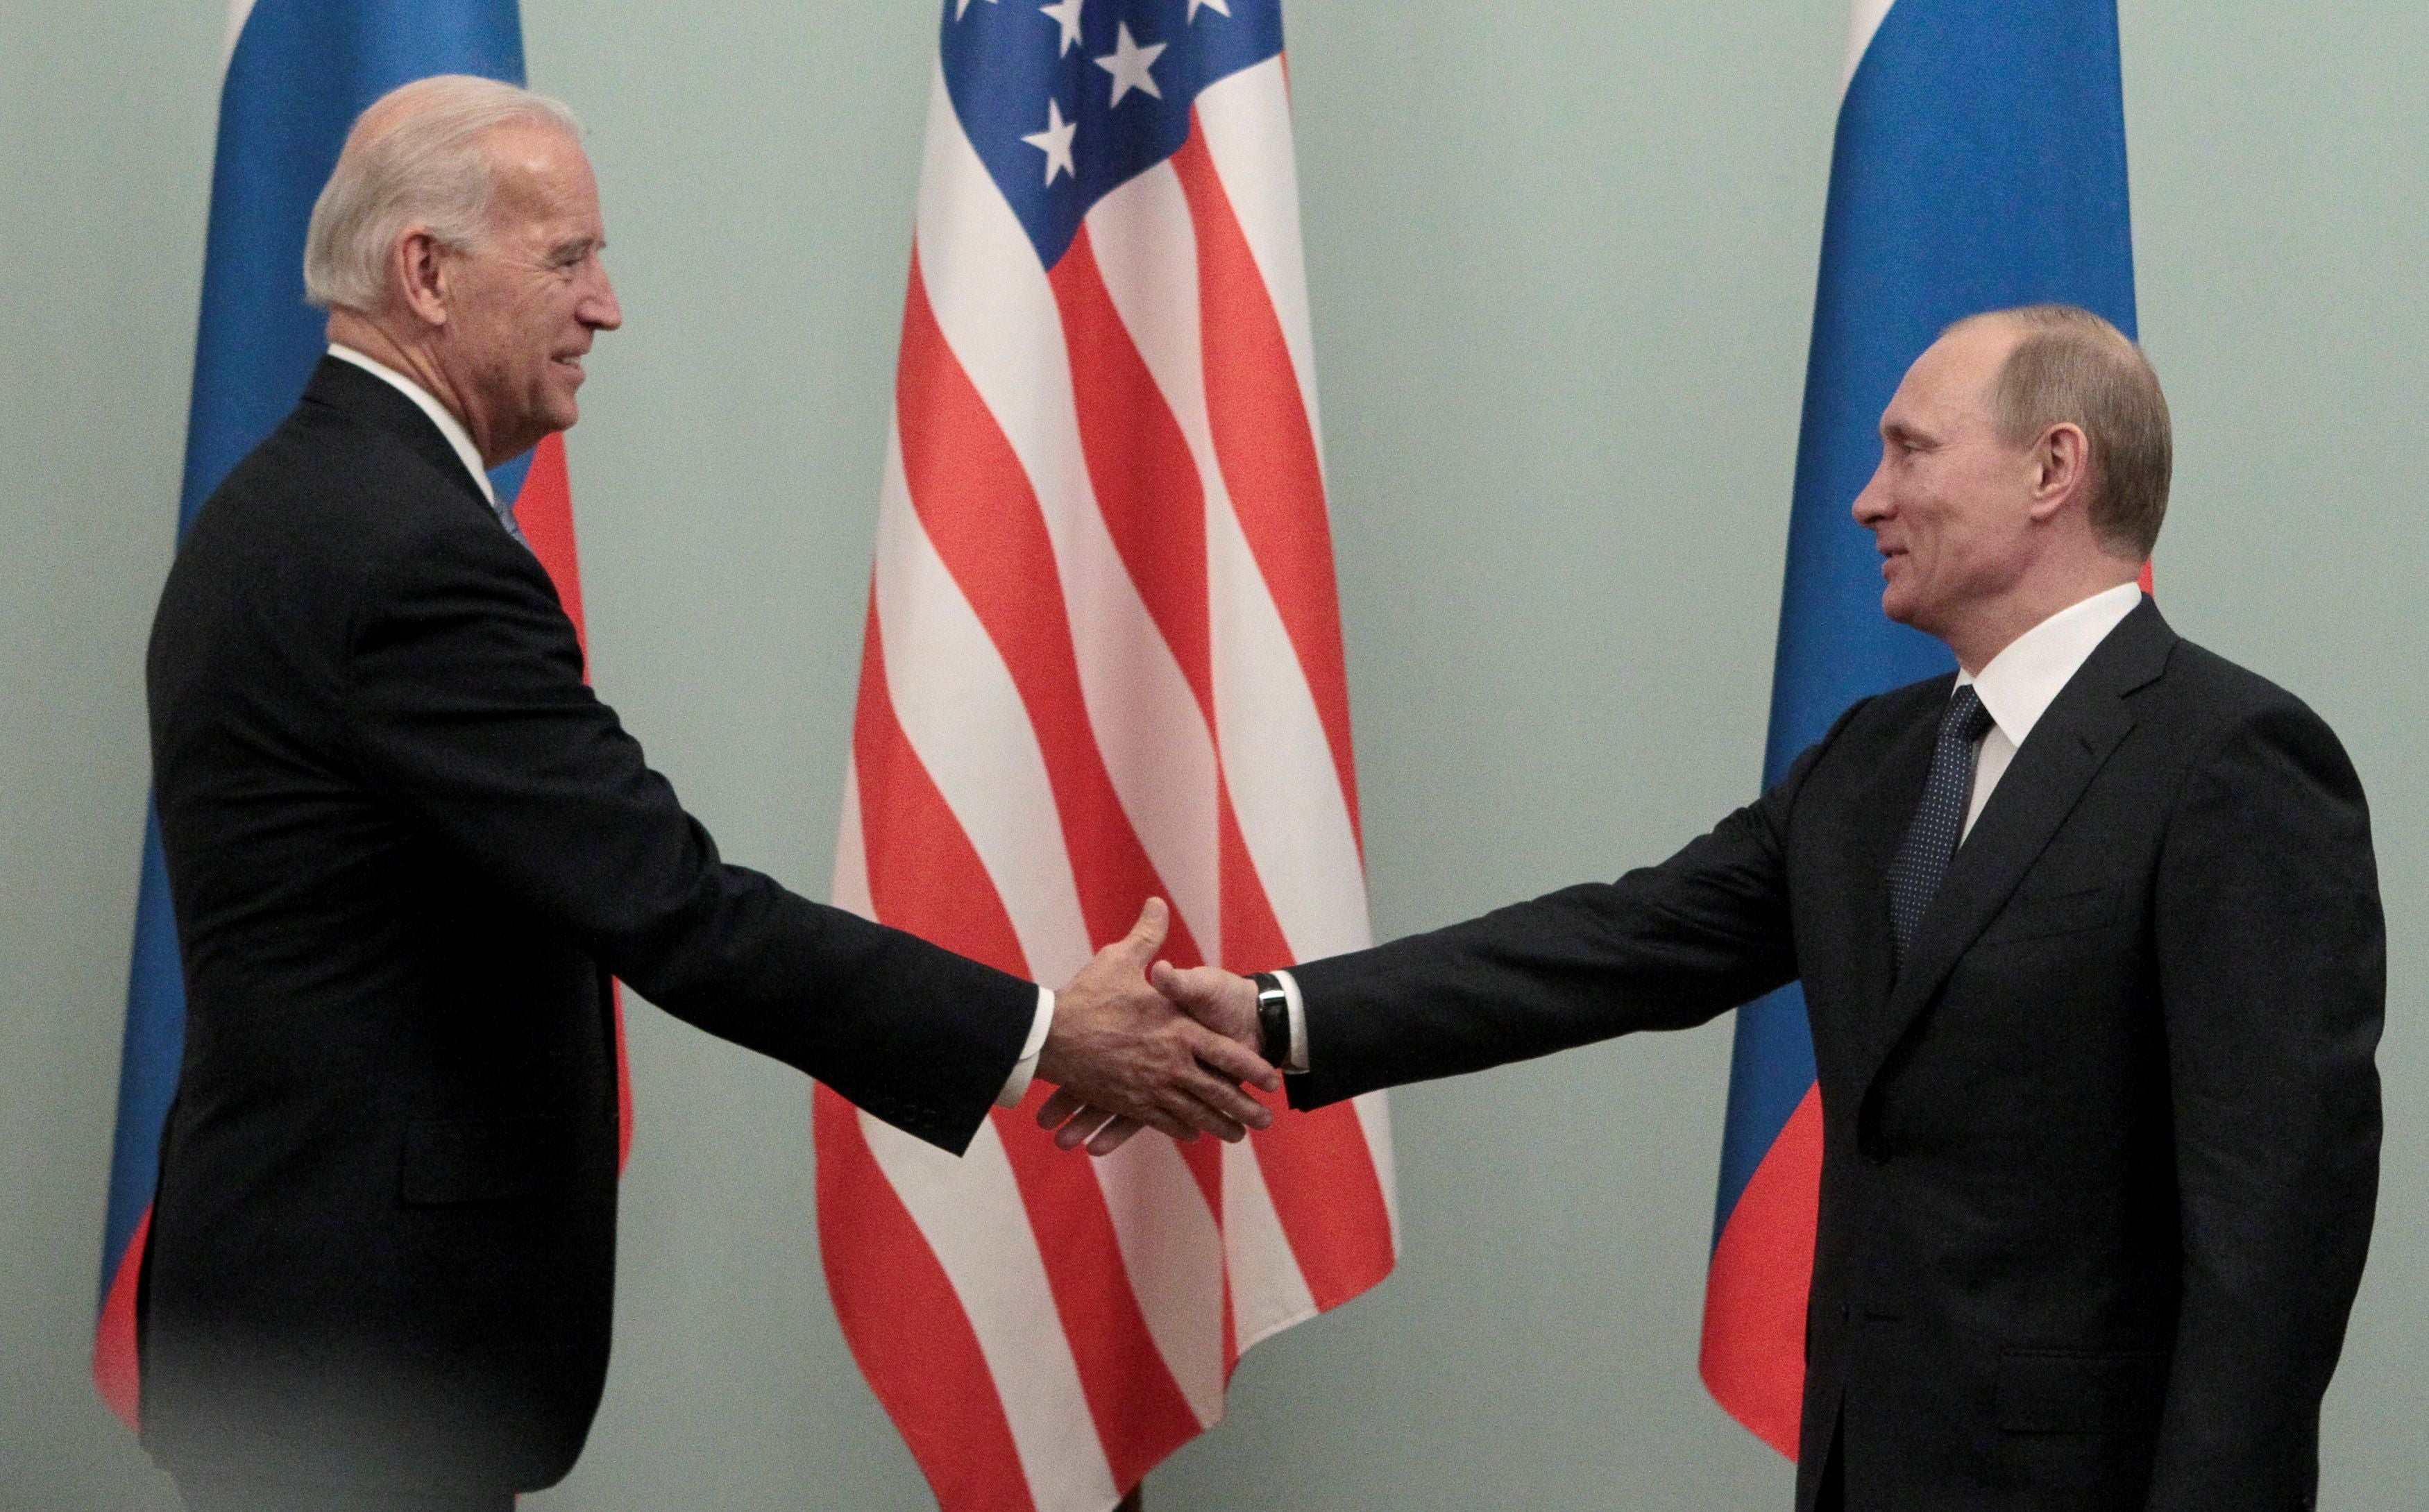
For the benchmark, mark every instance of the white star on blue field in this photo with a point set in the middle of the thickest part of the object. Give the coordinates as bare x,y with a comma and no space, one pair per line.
1066,100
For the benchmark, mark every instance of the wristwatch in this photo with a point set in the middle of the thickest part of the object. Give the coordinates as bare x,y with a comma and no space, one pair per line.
1273,1019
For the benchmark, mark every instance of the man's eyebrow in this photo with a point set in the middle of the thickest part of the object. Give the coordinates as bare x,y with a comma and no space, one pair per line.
1900,433
577,246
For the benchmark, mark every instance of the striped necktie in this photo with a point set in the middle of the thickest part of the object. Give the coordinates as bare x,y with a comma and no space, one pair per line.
1939,820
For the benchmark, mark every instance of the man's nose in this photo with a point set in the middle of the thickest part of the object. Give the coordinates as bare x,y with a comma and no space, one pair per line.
1871,505
599,309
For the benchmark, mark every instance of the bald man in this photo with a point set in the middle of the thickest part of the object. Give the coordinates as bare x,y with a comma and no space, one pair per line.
408,848
2091,941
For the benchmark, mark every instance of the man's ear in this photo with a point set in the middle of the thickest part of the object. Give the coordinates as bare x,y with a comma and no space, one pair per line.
418,267
2061,469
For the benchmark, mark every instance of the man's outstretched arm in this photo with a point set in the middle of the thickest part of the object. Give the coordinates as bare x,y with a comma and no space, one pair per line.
465,703
1665,946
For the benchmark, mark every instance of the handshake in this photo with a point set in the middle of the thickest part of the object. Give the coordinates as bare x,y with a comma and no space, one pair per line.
1137,1042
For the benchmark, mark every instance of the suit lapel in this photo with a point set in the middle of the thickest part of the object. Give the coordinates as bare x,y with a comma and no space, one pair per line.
371,401
2056,762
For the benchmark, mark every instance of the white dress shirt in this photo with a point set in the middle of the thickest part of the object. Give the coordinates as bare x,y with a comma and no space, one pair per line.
1024,1070
2018,686
2022,681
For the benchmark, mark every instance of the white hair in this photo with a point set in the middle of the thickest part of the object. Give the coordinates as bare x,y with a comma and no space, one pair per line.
412,160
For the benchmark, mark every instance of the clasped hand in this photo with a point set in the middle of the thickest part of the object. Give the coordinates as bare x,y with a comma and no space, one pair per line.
1171,1053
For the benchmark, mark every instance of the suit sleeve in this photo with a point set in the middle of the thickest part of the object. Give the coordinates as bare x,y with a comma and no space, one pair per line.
466,707
2272,972
1663,947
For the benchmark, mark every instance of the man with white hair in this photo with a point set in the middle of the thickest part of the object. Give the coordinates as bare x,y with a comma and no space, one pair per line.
408,848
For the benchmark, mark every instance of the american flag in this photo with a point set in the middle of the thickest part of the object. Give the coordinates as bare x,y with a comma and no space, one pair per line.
1103,662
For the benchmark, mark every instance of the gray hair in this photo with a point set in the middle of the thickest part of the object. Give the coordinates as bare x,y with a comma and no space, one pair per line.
2072,366
412,160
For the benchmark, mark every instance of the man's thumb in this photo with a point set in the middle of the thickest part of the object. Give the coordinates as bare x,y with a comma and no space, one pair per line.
1171,981
1146,935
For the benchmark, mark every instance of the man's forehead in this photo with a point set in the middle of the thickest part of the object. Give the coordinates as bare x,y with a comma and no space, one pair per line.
1974,350
1954,372
530,143
539,165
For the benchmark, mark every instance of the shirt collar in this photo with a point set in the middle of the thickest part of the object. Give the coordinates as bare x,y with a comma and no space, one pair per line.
2020,683
449,426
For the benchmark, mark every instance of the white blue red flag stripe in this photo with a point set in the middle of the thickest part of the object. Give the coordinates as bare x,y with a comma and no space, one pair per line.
1981,163
298,72
1103,662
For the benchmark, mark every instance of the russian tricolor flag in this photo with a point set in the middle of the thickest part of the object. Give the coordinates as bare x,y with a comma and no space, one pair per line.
1980,164
297,72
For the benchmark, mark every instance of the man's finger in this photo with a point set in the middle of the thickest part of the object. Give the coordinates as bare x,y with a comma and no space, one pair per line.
1232,1058
1229,1102
1057,1111
1183,1100
1181,1131
1215,1123
1094,1118
1189,989
1087,1121
1112,1136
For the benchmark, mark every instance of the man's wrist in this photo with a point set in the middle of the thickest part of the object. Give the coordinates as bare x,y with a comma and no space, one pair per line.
1024,1070
1295,1060
1281,1035
1273,1018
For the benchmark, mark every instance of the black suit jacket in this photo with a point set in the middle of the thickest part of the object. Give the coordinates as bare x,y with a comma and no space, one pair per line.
407,847
2098,1165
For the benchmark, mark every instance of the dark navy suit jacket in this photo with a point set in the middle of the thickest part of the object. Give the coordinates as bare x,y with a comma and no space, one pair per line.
407,848
2098,1164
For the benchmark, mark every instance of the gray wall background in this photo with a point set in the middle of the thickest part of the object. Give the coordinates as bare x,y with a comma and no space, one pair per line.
1561,258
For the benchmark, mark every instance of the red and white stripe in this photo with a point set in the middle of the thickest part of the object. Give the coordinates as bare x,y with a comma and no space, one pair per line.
1103,662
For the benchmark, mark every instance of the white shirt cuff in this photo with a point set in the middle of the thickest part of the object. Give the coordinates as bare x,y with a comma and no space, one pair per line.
1024,1070
1298,1023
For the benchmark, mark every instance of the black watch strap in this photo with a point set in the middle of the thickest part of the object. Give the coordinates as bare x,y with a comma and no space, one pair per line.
1273,1020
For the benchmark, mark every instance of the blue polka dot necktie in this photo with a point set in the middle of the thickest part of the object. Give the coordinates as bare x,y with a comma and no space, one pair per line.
1939,820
